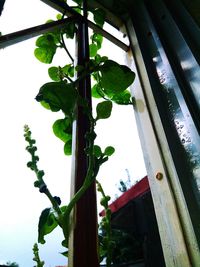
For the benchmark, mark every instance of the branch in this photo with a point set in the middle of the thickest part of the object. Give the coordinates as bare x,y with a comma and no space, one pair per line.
62,43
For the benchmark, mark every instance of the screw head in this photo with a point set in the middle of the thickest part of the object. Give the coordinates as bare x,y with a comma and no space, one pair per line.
159,176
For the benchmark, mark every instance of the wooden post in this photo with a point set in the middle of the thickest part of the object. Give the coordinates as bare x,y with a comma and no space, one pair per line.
83,238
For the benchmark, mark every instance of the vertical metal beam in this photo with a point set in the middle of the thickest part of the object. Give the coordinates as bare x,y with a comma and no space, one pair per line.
83,239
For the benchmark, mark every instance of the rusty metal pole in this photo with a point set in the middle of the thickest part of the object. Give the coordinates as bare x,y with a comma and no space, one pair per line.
83,238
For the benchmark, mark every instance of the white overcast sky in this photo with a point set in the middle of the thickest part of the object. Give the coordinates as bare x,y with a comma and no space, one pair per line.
20,203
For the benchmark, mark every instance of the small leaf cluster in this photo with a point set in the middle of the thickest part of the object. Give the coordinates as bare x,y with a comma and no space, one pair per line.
112,81
105,239
48,43
11,264
37,257
100,156
31,148
50,218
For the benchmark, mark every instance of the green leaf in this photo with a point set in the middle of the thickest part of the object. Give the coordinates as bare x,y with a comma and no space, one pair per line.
63,129
59,16
99,59
109,150
103,110
65,253
68,148
93,50
99,16
46,47
47,223
69,30
45,54
54,74
96,91
46,105
123,98
45,40
68,70
97,151
97,39
59,95
79,2
115,78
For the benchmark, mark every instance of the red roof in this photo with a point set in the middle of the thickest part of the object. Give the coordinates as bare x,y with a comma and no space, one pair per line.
135,191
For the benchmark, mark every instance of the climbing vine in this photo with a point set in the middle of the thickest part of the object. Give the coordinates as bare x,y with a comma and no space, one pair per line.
111,81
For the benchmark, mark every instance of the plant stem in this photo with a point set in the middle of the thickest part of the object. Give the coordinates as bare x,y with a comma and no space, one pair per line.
89,178
62,43
108,227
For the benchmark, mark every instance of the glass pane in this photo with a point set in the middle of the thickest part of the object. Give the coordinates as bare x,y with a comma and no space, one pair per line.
176,103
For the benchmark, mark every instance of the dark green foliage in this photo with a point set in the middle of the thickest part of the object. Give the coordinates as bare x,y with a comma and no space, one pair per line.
97,39
69,30
109,150
123,98
36,256
59,96
126,247
11,264
68,148
115,78
62,128
93,50
54,74
47,223
99,16
104,110
65,254
97,91
79,2
97,151
68,70
105,240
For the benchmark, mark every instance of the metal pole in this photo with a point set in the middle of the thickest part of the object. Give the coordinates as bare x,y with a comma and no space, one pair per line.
19,36
83,238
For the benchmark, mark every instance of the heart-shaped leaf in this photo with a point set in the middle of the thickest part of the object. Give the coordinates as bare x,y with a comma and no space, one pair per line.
59,95
54,74
115,78
46,48
63,129
45,54
99,16
104,110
